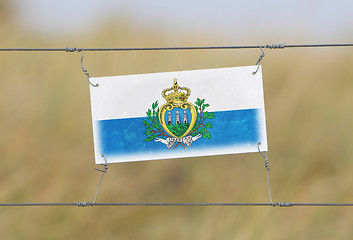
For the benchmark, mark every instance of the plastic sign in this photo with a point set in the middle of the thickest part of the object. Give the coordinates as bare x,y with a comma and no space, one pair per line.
178,114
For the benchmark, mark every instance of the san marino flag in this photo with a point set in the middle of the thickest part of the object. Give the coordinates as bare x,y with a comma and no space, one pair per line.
178,114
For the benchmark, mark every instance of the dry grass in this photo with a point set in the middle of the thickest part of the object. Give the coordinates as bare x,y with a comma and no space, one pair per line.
47,147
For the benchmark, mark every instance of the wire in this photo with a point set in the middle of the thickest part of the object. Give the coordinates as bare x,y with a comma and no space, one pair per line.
273,46
103,172
87,204
36,204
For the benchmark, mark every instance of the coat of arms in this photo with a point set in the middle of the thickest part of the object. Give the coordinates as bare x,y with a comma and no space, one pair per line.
178,122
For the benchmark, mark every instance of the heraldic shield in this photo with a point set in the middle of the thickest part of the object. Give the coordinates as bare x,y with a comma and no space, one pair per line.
177,116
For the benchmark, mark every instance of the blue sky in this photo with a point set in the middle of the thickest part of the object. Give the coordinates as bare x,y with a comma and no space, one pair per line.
285,21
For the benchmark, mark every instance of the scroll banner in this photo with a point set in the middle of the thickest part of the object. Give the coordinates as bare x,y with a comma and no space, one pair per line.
178,114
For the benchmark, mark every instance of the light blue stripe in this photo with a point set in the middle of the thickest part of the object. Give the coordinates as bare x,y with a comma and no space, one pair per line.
230,128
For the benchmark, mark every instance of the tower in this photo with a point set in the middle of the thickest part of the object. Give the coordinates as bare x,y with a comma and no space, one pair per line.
185,117
177,121
169,118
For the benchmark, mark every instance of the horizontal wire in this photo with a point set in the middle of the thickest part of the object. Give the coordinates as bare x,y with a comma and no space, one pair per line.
273,46
86,204
285,204
35,204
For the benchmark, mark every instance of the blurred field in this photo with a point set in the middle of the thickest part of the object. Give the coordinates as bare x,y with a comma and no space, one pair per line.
47,148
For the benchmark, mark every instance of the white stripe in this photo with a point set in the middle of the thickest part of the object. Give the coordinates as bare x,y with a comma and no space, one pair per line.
131,95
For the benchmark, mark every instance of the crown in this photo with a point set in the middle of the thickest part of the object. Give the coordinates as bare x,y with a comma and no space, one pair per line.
176,96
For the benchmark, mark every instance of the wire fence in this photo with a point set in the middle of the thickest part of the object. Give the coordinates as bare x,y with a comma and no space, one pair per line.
89,204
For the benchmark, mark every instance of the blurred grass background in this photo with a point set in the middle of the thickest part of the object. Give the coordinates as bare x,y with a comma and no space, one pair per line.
46,144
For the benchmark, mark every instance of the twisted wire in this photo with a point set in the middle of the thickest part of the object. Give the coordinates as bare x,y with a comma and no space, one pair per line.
260,59
82,67
88,204
263,154
103,172
270,46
